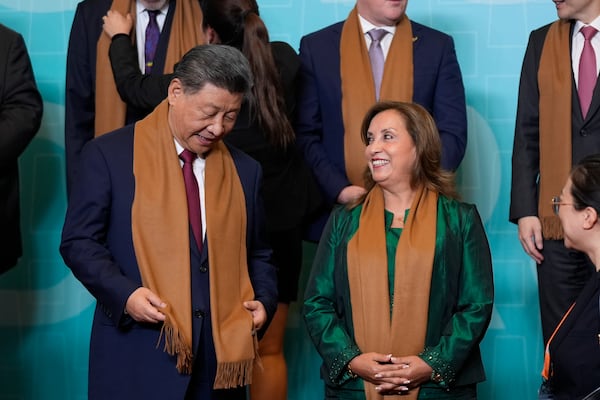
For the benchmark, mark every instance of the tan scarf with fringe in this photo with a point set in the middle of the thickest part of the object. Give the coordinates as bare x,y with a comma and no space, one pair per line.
555,83
186,33
404,335
358,87
161,240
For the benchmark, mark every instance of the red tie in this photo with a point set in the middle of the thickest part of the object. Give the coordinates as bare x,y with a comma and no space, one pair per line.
588,74
193,195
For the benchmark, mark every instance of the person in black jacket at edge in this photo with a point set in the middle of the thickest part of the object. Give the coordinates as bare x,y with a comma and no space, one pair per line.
262,130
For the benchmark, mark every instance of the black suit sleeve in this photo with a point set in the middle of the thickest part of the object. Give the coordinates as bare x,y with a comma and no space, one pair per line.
137,90
20,102
526,155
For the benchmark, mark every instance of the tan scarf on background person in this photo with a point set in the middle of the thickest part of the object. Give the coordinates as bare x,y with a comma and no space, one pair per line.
160,228
358,87
186,32
405,334
555,83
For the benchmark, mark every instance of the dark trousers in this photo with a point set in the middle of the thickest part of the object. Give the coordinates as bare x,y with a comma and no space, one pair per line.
204,370
561,277
201,386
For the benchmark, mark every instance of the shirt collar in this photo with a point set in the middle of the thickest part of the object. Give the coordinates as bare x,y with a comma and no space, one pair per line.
578,25
367,26
140,9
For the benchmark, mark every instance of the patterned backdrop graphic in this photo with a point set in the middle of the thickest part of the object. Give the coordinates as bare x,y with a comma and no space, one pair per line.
45,314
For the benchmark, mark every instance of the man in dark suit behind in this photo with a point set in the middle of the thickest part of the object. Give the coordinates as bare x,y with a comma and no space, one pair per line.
92,105
182,291
552,132
20,117
337,88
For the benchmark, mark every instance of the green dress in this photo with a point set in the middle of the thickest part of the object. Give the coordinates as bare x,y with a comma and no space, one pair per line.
460,304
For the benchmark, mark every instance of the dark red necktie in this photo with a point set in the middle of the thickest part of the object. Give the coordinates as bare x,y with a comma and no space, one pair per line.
588,74
152,35
193,195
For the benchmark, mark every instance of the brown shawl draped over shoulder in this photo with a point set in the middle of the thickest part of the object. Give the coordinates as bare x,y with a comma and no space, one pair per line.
161,240
186,33
404,335
358,87
554,82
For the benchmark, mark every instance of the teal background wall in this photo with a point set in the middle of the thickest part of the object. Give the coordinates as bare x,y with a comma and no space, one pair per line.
45,314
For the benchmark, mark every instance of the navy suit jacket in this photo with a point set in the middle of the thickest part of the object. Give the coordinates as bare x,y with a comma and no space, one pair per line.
319,126
80,103
125,356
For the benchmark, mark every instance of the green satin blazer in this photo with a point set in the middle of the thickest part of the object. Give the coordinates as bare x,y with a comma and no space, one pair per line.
460,305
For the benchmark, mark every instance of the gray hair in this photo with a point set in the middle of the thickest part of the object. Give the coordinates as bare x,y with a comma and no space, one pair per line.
222,66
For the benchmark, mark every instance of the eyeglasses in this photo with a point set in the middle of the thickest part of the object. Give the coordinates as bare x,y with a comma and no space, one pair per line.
556,203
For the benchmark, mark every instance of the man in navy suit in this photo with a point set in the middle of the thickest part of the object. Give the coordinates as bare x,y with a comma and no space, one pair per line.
176,314
436,84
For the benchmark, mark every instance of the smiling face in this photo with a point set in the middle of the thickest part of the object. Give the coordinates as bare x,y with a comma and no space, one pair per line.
381,12
390,151
198,121
583,10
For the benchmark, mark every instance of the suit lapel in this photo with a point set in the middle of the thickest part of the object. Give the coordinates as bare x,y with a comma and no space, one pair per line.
418,40
594,105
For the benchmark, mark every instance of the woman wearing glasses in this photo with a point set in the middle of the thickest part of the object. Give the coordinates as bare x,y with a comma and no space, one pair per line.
572,359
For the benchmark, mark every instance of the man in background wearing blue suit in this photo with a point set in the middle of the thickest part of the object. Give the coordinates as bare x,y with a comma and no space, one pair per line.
183,291
337,87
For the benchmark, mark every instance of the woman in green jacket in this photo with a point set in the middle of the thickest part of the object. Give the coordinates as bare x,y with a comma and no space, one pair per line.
401,289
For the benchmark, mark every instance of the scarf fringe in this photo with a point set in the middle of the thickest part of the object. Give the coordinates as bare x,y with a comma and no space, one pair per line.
234,374
552,228
175,345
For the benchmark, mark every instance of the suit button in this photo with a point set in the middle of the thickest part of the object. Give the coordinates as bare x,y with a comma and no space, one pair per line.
198,313
203,268
583,132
